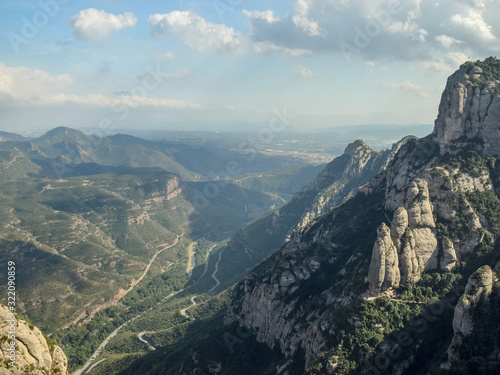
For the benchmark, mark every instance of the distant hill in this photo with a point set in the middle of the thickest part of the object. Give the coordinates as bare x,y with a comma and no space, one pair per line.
5,136
59,150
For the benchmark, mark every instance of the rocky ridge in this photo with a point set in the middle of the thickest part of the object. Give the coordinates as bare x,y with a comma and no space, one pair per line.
272,302
335,185
338,182
417,182
434,226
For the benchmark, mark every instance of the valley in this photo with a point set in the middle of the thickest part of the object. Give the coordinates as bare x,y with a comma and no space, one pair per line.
137,258
365,254
114,235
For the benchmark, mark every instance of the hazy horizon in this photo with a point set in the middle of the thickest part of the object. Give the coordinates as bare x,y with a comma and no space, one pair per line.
246,128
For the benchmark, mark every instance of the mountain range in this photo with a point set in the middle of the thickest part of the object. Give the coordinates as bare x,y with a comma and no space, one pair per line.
402,278
385,263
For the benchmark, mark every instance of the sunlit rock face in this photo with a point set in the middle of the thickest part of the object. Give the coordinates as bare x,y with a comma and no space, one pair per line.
469,110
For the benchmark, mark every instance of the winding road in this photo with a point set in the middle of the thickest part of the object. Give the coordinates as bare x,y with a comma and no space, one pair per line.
141,336
215,272
149,342
95,364
115,332
193,303
101,347
183,312
122,293
207,261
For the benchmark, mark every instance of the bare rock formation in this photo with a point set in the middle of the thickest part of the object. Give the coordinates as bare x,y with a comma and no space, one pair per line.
34,354
469,109
478,287
384,267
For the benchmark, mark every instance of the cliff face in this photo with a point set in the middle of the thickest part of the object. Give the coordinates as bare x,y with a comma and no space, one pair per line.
432,216
33,354
287,300
384,269
470,109
479,288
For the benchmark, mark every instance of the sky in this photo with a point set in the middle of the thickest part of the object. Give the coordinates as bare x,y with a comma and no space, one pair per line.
223,64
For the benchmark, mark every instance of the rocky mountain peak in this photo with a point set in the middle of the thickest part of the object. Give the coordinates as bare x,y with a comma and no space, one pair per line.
64,134
470,108
356,146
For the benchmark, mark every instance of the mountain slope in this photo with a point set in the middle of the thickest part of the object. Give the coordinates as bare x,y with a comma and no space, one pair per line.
337,182
395,280
84,240
14,165
6,136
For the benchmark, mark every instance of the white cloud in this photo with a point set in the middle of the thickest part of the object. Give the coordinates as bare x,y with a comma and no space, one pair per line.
267,15
301,72
480,3
169,55
302,19
410,30
407,86
262,47
92,24
447,64
328,25
474,22
24,86
98,100
196,32
439,66
370,65
382,29
24,83
447,42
